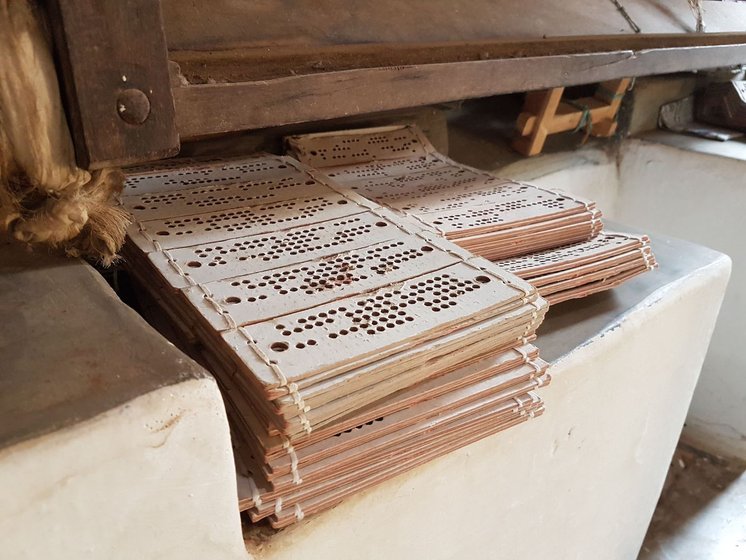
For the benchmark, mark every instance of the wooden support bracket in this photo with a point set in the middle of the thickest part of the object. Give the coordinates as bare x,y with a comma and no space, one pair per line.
112,63
545,113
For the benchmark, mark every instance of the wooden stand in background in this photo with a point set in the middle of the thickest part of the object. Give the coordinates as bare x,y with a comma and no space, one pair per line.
545,113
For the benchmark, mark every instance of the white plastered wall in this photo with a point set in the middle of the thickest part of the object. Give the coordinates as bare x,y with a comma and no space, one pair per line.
695,196
702,198
148,479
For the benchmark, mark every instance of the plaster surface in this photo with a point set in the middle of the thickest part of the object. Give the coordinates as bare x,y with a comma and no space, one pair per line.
152,478
579,482
732,150
69,348
113,444
694,189
687,187
649,93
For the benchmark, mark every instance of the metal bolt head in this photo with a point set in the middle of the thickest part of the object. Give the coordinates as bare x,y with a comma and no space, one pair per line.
133,106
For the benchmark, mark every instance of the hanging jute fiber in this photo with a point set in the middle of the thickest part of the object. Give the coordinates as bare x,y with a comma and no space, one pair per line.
44,197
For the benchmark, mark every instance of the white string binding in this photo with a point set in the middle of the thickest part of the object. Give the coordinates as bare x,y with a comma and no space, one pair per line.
208,296
255,495
148,237
283,381
522,352
537,367
528,292
291,387
647,256
534,317
290,450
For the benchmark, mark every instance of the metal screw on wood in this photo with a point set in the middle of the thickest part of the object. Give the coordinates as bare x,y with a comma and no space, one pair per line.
133,106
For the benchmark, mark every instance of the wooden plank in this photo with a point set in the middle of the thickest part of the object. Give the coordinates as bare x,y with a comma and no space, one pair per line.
613,92
545,104
266,62
112,57
221,24
567,117
219,108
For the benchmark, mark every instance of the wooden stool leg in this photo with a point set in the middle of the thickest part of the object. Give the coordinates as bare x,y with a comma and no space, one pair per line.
542,105
611,92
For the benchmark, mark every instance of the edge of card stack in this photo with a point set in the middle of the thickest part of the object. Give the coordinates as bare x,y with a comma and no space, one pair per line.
552,239
495,218
575,271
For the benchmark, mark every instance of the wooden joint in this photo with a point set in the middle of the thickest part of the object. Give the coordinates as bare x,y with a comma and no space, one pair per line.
545,113
113,70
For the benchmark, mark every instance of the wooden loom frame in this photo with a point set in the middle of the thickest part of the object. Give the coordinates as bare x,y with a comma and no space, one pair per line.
105,49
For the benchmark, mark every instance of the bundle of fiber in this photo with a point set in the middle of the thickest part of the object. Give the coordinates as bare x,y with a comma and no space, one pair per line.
585,268
313,306
44,197
495,218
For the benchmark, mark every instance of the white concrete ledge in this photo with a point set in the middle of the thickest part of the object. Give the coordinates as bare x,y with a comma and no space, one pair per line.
580,482
694,188
113,444
152,478
151,475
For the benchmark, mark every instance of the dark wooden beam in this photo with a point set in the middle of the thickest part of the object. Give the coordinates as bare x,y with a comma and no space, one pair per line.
218,25
112,63
219,108
266,62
